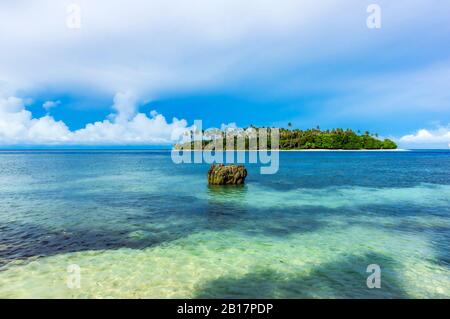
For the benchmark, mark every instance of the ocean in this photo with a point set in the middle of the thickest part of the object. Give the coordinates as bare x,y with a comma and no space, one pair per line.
132,224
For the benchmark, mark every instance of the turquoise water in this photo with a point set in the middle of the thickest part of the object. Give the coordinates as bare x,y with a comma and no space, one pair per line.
139,226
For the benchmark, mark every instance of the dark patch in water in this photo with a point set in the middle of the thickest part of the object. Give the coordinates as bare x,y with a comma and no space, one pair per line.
341,279
145,227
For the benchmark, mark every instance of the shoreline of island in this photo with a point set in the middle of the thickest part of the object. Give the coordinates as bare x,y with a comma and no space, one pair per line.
342,150
187,150
306,150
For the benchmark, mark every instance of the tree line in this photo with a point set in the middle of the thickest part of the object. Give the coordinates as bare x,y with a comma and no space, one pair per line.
332,139
296,139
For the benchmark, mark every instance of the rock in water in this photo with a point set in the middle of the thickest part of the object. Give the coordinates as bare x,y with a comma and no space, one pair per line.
227,174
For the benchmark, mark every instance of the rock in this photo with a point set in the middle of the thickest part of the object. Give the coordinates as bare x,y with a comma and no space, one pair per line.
227,174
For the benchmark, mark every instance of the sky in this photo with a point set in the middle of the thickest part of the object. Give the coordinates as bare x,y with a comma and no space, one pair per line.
140,72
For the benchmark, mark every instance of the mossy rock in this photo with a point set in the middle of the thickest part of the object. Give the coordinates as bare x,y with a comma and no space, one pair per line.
227,174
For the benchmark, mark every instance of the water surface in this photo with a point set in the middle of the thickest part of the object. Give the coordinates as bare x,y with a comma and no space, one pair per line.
140,226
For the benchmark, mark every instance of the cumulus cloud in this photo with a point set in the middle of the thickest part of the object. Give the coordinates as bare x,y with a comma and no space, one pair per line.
17,125
125,126
438,138
50,104
125,105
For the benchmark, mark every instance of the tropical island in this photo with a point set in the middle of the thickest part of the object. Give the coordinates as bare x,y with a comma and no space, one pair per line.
293,139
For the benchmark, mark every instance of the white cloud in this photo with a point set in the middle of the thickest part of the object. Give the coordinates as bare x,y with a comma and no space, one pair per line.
125,126
438,138
230,126
18,126
125,105
161,46
147,46
50,104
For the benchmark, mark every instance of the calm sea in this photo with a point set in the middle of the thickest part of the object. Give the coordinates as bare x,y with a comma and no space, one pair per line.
132,224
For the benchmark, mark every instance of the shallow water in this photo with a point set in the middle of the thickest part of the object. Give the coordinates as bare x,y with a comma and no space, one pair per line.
140,226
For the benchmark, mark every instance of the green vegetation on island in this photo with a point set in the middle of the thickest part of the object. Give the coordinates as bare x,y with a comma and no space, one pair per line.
296,139
331,139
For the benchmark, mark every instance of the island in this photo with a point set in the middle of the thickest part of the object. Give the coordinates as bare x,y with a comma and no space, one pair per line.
292,139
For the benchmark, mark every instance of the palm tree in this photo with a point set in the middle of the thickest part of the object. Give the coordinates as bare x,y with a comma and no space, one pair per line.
290,134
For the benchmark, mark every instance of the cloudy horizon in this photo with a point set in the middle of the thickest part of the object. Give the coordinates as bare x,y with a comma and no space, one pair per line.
140,73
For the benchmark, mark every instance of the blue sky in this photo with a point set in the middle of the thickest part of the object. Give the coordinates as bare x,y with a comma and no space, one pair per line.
123,73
